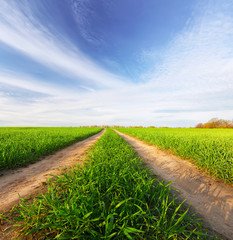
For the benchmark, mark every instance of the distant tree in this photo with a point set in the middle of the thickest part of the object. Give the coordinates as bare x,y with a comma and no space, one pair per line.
199,125
216,123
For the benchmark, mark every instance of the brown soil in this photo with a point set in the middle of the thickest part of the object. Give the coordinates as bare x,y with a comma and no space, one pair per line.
30,181
24,181
211,199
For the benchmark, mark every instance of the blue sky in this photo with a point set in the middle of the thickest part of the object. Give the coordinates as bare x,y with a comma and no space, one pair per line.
125,62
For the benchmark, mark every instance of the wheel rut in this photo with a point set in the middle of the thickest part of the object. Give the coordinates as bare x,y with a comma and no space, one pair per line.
24,181
211,199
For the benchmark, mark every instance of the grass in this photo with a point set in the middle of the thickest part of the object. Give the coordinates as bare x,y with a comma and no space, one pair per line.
112,196
20,146
210,149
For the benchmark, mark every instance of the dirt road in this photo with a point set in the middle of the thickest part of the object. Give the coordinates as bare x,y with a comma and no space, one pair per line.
211,199
24,181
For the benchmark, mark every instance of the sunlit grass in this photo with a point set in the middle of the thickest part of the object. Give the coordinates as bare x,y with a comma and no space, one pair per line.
210,149
112,196
20,146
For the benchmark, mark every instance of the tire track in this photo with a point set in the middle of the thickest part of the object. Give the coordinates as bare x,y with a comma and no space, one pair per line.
211,199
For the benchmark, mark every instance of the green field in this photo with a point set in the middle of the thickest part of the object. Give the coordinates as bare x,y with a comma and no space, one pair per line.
20,146
210,149
112,196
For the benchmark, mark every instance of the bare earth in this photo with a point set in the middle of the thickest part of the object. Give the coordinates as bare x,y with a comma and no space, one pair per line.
24,181
211,199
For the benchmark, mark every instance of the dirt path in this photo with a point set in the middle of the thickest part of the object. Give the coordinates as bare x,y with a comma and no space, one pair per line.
211,199
26,180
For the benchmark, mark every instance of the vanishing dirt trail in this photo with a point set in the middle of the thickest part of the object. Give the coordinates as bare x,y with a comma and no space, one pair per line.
26,180
211,199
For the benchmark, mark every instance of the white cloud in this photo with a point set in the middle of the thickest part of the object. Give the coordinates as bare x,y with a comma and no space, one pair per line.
194,84
21,31
28,83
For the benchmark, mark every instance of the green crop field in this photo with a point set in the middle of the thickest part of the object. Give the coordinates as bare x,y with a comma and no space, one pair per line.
210,149
112,196
20,146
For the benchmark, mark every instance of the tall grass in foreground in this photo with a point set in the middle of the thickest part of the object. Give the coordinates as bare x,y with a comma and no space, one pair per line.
20,146
210,149
112,196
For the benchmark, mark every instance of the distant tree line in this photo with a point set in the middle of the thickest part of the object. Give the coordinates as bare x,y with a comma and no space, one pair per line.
212,123
216,123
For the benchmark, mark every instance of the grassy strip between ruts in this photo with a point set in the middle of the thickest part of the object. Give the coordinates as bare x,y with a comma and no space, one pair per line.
20,146
112,196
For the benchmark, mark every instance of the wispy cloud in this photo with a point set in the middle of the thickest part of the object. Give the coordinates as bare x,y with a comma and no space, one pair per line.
20,30
197,68
82,11
26,82
193,83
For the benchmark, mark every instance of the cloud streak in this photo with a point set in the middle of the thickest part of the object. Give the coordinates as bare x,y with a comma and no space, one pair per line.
193,83
21,31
